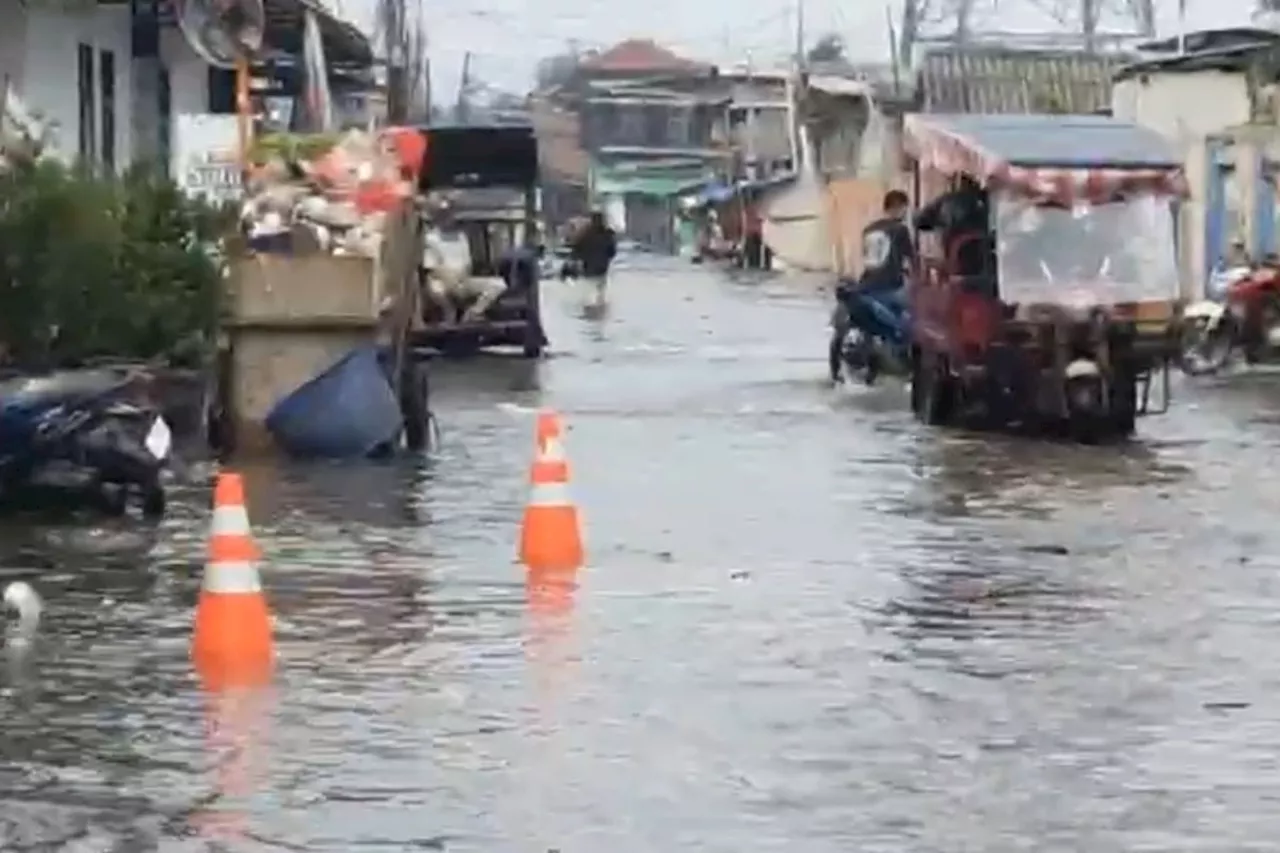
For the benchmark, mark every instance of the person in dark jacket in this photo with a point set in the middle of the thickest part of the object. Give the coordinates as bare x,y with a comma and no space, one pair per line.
594,249
887,257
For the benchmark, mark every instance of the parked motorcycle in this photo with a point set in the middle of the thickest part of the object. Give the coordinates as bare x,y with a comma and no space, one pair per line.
877,335
85,435
1241,316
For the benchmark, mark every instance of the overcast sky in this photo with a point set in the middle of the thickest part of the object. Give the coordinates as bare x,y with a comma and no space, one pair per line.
507,37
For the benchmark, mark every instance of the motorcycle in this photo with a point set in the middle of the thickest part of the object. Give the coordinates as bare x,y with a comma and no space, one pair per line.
82,434
1240,315
877,337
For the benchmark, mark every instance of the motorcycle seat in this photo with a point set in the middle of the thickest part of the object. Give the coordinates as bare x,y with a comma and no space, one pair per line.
62,386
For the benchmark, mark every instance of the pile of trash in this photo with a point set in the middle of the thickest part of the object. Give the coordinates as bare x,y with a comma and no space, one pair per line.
337,202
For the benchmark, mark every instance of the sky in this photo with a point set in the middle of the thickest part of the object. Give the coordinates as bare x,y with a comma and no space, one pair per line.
507,37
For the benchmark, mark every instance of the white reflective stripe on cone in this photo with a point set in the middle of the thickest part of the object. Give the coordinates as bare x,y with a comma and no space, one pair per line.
232,577
550,494
553,451
230,520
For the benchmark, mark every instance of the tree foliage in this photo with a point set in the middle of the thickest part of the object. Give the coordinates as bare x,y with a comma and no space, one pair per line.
100,267
829,48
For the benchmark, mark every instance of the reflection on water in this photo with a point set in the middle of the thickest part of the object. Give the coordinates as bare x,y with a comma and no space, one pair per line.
1000,476
808,623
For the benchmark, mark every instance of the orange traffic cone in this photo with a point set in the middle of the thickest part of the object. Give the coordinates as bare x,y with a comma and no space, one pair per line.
233,644
550,538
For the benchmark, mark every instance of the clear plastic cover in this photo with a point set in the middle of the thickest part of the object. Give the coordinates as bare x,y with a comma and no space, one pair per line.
1091,254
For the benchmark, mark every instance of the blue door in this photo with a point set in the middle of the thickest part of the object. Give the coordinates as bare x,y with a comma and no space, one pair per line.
1217,175
1264,208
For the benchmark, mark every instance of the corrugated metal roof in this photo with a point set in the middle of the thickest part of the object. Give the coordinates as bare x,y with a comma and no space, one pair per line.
985,79
1064,141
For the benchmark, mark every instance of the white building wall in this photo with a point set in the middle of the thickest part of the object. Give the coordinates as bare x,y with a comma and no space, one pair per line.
188,73
49,82
39,55
1186,108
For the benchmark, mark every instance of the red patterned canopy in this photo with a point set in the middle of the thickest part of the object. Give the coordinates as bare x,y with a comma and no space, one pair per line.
1053,157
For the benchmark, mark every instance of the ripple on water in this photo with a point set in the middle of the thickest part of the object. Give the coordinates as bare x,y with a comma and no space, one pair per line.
808,624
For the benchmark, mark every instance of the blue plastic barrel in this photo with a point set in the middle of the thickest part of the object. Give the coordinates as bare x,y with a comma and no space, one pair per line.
347,412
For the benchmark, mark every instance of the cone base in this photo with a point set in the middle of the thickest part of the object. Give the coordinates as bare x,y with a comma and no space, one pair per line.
551,539
233,646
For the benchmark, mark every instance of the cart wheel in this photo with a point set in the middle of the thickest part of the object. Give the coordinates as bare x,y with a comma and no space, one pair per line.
112,499
154,500
534,341
415,406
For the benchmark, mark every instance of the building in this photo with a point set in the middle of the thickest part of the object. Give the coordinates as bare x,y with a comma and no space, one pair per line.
108,77
653,126
1212,95
760,119
564,166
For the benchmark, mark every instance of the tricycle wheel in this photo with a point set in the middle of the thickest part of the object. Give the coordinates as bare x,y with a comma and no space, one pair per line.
932,390
1124,405
415,406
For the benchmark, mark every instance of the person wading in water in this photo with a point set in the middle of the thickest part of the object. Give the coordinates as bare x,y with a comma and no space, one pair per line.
594,249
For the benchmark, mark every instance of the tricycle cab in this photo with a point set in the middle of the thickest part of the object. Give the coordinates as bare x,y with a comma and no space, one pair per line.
1047,292
490,174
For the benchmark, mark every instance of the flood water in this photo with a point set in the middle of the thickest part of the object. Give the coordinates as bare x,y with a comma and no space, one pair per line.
808,624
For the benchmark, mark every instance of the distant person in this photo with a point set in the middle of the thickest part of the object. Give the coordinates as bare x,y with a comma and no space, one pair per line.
447,265
594,248
887,256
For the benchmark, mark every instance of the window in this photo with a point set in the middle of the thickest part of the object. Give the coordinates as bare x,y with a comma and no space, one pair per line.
107,79
630,126
88,128
679,125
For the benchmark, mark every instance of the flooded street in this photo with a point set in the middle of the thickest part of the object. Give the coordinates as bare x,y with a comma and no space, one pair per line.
807,624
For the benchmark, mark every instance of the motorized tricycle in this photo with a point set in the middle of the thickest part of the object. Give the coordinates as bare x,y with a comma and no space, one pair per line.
1055,306
1240,316
491,174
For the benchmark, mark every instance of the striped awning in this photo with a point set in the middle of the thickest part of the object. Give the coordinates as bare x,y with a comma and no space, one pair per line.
1053,158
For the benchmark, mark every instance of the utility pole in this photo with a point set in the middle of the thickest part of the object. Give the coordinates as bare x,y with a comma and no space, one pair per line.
462,109
800,58
1089,24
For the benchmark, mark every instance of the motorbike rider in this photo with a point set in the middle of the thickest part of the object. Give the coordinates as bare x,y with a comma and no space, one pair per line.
960,216
594,248
887,256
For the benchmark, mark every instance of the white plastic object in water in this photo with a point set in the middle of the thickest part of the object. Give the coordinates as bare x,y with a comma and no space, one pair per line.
159,439
22,597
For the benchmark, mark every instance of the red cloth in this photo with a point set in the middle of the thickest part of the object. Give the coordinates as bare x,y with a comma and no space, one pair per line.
410,147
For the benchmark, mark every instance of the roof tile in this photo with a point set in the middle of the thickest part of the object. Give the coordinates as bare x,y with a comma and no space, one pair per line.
641,55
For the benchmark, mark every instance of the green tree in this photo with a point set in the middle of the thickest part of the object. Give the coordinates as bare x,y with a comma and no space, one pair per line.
829,48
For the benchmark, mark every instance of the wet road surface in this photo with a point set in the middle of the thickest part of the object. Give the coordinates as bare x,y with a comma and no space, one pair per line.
809,624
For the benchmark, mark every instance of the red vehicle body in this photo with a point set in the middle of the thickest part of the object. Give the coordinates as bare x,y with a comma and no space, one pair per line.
1247,319
1255,299
1059,321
